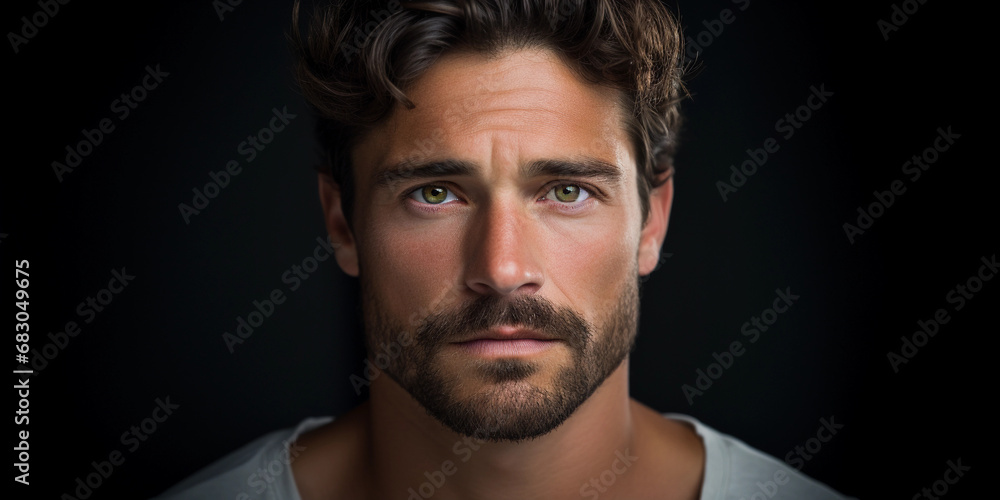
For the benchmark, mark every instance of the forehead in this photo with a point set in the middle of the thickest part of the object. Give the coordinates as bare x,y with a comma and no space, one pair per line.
512,108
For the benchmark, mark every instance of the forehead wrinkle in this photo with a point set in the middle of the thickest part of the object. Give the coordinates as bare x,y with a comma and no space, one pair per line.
450,118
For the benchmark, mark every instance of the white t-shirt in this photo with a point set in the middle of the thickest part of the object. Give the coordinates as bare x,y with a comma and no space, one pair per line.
261,470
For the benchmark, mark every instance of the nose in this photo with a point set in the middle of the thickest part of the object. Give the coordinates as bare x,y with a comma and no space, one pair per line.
502,254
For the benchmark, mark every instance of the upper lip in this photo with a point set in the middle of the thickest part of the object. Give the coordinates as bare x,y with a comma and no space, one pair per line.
507,333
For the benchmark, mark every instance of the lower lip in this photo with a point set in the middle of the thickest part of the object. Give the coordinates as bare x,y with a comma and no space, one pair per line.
506,348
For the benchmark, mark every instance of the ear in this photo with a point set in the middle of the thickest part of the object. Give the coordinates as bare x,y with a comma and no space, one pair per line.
341,237
653,233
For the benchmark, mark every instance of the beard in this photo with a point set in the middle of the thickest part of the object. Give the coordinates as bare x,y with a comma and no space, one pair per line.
495,399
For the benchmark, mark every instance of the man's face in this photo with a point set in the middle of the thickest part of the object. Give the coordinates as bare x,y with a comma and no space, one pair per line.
497,224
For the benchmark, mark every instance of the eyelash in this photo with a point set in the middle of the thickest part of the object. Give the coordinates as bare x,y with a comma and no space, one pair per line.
591,192
414,193
586,189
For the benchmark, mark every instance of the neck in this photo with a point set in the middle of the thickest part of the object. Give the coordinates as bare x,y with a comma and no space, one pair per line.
412,451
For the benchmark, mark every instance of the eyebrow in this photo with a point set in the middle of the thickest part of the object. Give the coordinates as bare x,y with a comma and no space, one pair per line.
583,167
410,169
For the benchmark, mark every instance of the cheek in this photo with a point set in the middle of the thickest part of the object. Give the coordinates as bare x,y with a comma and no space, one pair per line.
589,264
412,269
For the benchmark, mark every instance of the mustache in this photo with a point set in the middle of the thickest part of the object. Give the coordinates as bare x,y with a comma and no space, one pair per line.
489,311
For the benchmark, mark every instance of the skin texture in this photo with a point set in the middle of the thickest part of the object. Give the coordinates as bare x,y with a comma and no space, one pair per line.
501,234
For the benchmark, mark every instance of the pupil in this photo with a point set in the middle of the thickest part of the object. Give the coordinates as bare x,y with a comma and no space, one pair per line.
568,193
434,194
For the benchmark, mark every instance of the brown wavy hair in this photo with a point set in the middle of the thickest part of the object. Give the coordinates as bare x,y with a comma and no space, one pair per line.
356,58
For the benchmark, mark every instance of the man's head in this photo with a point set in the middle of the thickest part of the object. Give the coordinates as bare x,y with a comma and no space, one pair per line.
498,180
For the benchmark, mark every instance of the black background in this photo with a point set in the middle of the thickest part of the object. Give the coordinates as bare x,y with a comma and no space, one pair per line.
826,357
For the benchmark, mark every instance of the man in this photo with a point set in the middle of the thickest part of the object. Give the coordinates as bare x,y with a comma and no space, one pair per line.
498,179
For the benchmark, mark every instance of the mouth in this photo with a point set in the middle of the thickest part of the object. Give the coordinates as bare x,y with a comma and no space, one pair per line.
507,341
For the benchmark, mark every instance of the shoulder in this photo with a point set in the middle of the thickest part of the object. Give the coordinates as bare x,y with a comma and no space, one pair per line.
735,470
259,470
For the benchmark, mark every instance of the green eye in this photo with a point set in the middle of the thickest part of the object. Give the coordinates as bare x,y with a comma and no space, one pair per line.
434,194
568,193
